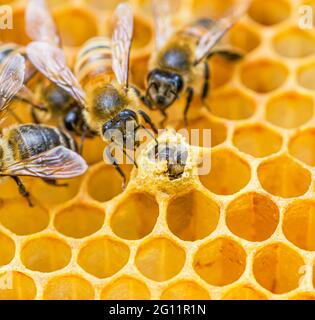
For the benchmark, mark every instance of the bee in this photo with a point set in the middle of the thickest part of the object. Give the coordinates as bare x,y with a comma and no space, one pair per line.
108,104
176,157
60,107
26,95
182,56
29,149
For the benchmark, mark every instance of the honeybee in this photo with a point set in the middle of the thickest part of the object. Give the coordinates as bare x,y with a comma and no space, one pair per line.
61,107
102,67
29,149
26,95
182,56
176,157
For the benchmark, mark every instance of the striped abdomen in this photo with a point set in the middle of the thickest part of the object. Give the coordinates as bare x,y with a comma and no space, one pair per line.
94,62
196,29
29,140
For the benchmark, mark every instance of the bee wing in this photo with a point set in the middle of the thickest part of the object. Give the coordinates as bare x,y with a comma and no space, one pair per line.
163,12
39,23
57,163
12,74
218,30
51,62
121,42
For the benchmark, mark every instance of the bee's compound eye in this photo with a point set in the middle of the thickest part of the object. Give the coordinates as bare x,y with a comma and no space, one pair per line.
70,119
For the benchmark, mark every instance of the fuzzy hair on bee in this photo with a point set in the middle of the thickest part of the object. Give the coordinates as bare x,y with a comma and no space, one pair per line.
182,55
101,85
31,149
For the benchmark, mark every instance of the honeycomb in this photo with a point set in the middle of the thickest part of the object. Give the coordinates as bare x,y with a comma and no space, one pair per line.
246,230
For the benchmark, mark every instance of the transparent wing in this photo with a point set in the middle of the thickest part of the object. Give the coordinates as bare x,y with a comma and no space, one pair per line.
121,42
51,62
39,23
163,12
12,74
218,30
58,163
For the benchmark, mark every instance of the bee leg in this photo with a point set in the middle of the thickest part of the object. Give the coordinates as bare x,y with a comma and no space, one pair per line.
113,161
165,117
34,116
22,190
148,120
54,183
205,88
190,95
143,98
82,138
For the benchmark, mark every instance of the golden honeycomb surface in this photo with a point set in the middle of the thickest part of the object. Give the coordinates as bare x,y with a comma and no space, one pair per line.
246,230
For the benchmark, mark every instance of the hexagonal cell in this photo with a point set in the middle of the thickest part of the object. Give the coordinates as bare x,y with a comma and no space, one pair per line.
102,257
126,288
299,224
185,290
160,259
105,183
7,251
139,70
192,216
200,137
252,216
17,286
289,110
269,12
229,173
277,268
220,261
79,220
221,71
93,150
16,34
143,33
294,43
135,216
50,195
243,37
257,140
263,75
9,189
17,216
75,25
303,296
305,76
214,8
244,292
232,104
302,145
284,177
68,287
45,254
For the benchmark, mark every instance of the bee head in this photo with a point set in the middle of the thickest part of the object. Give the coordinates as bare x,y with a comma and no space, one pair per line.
122,130
163,87
176,157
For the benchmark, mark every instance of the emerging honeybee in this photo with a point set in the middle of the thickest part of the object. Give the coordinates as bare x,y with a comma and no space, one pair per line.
176,157
108,103
61,107
182,56
30,149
